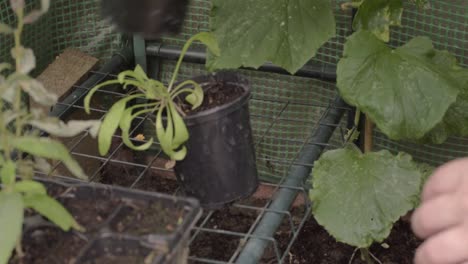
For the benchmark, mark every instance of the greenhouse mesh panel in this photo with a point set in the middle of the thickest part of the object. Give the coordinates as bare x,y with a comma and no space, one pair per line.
68,23
220,235
445,22
78,24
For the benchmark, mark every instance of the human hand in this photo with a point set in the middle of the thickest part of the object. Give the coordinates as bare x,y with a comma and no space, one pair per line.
442,218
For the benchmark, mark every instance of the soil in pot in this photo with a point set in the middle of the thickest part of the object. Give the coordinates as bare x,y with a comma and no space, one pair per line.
148,218
49,245
216,94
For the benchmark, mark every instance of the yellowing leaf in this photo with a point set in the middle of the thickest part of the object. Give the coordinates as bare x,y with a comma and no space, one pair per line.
49,149
27,60
56,127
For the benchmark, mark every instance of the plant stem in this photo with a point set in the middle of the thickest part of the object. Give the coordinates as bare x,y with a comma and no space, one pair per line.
19,249
368,135
366,256
18,93
179,62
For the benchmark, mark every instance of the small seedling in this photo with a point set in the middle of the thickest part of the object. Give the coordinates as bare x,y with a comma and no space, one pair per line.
160,100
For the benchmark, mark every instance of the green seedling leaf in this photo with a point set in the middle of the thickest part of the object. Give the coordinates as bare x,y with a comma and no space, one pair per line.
377,16
359,200
58,128
52,210
155,90
49,149
403,91
5,29
30,187
111,123
195,93
38,93
87,100
140,74
169,140
125,125
8,172
27,60
9,86
166,136
11,220
208,39
287,33
181,134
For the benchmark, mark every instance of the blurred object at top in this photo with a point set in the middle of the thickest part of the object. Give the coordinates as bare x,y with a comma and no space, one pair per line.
150,18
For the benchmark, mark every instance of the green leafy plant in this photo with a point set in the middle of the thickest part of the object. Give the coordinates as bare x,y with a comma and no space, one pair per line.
286,33
23,151
160,100
413,92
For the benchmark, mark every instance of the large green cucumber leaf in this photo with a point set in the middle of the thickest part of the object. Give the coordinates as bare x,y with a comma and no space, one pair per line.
455,122
402,90
286,33
377,16
357,197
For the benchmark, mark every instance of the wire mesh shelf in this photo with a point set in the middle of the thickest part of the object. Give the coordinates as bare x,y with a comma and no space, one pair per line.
220,236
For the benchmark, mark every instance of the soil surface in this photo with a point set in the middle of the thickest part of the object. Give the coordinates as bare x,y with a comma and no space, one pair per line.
49,246
148,218
117,260
216,94
314,245
93,211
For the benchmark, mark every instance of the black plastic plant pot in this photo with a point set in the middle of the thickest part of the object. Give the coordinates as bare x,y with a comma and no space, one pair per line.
220,165
150,18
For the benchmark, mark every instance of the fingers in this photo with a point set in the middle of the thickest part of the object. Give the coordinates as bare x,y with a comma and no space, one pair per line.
433,216
446,179
448,247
